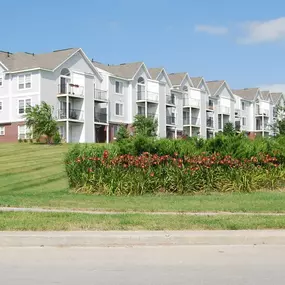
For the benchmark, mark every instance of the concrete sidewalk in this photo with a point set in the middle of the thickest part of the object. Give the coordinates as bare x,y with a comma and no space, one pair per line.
141,238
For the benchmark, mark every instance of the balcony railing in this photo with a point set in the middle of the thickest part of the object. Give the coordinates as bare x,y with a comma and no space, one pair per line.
190,102
74,114
195,121
262,112
224,110
71,89
170,100
210,123
147,96
170,120
149,114
100,95
100,117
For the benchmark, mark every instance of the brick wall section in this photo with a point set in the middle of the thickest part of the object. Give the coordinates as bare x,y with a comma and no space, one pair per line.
11,132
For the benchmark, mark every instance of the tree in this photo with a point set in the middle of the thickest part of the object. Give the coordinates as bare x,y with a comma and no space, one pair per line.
229,129
278,127
122,133
145,126
41,121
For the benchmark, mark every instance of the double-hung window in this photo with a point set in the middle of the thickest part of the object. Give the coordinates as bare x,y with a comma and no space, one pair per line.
2,131
119,87
119,109
24,132
24,81
24,104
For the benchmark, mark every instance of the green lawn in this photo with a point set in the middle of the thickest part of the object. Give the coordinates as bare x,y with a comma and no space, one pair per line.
69,222
34,176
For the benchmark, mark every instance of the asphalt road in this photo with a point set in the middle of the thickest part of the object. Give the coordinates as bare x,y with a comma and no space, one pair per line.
191,265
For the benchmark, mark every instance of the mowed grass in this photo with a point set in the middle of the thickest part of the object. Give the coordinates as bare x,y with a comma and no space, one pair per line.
34,176
68,222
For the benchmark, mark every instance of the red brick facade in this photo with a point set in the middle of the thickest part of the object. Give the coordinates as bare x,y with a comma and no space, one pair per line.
11,132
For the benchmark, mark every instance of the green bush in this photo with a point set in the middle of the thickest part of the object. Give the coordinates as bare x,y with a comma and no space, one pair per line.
20,140
57,138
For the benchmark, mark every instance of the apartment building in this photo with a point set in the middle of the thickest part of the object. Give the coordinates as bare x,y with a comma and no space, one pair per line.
91,100
254,111
65,79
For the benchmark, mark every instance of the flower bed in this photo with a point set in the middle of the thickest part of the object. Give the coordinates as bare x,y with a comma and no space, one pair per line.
108,173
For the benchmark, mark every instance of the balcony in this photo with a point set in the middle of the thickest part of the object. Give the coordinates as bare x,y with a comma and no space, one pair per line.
224,110
170,100
147,96
237,112
210,123
74,114
195,121
100,95
210,105
170,120
190,102
71,90
100,117
149,114
262,112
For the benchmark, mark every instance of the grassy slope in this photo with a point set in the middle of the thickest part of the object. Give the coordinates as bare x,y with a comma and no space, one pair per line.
34,176
56,221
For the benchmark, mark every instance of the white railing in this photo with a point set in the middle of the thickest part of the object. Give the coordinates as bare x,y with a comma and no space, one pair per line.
100,95
224,110
71,89
147,96
262,112
188,101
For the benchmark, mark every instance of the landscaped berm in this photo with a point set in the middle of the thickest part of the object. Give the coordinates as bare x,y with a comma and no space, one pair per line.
143,175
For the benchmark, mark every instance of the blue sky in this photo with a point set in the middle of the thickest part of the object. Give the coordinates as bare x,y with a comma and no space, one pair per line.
241,41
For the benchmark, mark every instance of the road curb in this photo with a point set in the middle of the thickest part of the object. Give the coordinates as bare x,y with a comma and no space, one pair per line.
140,238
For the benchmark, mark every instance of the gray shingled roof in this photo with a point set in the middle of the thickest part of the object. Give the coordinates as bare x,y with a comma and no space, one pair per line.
124,70
196,81
276,97
22,61
176,78
154,72
247,93
265,95
214,86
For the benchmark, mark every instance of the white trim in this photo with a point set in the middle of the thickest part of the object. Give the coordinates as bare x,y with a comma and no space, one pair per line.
145,69
120,103
1,105
24,75
86,58
27,70
2,80
2,132
25,133
5,67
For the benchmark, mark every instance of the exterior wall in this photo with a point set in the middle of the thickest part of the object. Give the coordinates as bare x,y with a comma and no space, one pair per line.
89,110
163,90
11,132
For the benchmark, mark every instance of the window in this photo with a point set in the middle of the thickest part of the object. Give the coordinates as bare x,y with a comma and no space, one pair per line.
1,105
1,80
119,109
244,121
24,81
185,88
141,110
243,106
119,87
23,105
24,132
2,131
141,80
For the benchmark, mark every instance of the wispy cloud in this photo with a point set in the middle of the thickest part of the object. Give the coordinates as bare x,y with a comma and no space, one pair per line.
274,87
256,32
212,30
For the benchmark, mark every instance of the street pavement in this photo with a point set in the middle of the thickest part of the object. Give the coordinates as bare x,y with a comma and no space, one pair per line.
187,265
